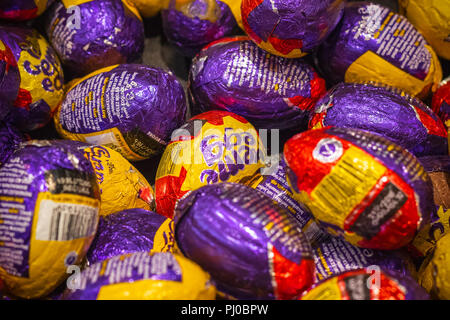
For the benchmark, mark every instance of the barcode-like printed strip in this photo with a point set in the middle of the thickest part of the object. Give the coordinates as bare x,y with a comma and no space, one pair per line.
65,221
72,222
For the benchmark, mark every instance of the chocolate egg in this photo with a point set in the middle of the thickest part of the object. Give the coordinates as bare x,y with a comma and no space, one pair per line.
360,186
33,78
189,27
290,28
386,111
49,204
215,146
130,108
90,35
252,248
271,92
373,43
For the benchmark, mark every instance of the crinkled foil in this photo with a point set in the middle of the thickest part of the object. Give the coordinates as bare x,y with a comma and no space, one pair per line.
360,186
271,92
275,185
335,256
367,284
434,275
386,111
252,248
143,276
90,35
197,24
432,19
440,104
291,28
373,43
130,108
132,230
9,80
122,186
36,90
438,168
10,139
215,146
53,194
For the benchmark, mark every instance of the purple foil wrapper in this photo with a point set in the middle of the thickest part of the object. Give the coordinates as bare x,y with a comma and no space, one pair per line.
44,168
9,80
191,31
276,187
335,256
155,105
386,111
360,30
127,231
291,24
34,84
242,241
436,163
95,34
235,75
10,139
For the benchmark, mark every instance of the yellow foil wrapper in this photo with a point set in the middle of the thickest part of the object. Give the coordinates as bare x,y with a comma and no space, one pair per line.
122,186
434,275
432,19
371,67
214,152
49,260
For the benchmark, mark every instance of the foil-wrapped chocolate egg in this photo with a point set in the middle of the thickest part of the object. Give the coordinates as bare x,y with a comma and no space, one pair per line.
367,284
386,111
215,146
292,28
49,199
190,26
360,186
90,35
156,276
32,85
252,248
373,43
271,92
130,108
